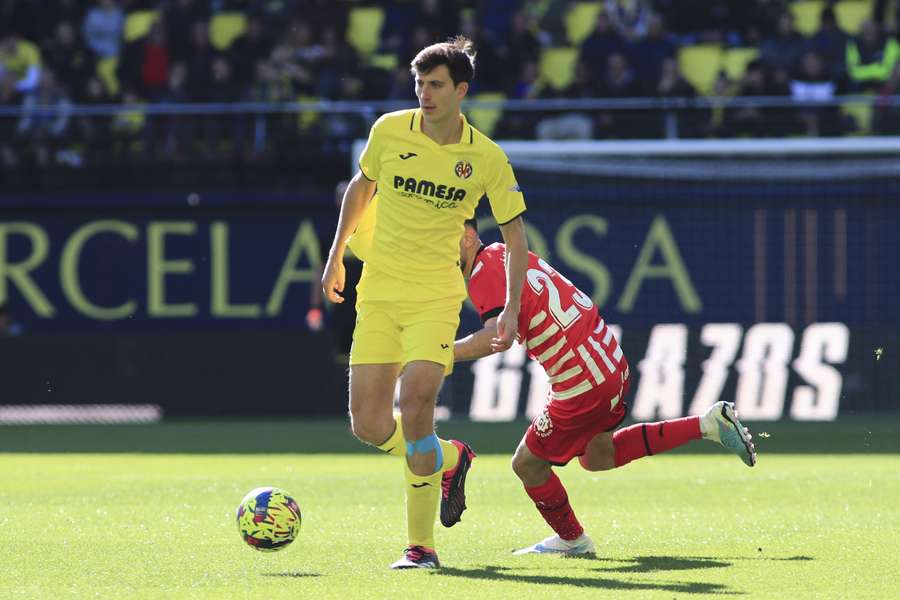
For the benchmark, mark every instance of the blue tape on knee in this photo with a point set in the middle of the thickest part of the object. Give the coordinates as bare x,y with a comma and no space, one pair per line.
427,444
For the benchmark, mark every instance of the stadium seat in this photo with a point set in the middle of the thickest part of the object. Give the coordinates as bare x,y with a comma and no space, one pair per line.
486,119
388,62
861,113
700,65
137,24
580,21
735,60
106,71
851,14
225,27
806,15
307,119
557,67
364,28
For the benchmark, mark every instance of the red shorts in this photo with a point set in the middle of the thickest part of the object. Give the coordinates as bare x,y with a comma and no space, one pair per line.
564,428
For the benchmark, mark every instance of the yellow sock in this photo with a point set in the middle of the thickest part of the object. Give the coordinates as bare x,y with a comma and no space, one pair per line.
396,444
451,455
422,496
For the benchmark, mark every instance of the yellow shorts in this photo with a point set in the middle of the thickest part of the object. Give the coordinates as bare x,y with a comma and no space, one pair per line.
403,330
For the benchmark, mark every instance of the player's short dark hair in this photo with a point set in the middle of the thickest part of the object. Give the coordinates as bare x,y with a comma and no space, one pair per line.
457,53
473,223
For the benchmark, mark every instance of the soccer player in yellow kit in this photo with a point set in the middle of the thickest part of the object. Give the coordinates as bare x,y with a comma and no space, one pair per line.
422,174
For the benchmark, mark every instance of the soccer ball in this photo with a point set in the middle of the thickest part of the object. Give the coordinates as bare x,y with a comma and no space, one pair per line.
268,519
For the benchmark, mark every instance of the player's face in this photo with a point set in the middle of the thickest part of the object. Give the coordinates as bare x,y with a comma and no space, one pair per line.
438,97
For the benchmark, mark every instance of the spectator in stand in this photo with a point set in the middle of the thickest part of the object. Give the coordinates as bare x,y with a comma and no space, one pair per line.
551,16
706,21
249,48
440,17
199,62
880,13
102,28
830,43
886,120
167,135
569,125
296,57
336,66
650,51
400,87
631,18
521,43
602,43
871,57
71,60
268,86
179,17
222,131
93,131
690,122
521,124
46,132
813,84
528,85
752,120
782,51
144,64
54,13
20,60
620,82
8,97
672,83
491,70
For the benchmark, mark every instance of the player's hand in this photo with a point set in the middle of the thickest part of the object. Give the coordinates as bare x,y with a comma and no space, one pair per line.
333,280
507,326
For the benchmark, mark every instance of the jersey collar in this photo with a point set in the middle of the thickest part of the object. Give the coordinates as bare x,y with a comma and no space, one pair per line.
466,137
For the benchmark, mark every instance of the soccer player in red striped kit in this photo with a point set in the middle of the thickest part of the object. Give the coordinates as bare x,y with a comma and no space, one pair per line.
589,376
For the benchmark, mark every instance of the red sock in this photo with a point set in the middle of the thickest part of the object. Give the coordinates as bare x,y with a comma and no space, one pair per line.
646,439
552,502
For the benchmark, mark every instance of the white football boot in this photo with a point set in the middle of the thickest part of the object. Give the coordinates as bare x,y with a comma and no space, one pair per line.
720,424
556,545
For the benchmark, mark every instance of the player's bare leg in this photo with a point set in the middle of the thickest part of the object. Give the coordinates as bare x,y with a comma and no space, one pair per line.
371,403
550,498
600,453
419,386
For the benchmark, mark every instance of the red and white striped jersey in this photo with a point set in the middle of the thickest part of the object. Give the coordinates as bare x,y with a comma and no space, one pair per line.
559,324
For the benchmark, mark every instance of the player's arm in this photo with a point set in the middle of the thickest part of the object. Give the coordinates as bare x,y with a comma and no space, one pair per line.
356,199
476,345
516,265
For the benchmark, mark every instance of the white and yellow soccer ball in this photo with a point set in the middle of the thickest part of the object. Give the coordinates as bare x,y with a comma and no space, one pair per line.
268,519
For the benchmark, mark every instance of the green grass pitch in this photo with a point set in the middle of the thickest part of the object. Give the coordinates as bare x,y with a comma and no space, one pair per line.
89,521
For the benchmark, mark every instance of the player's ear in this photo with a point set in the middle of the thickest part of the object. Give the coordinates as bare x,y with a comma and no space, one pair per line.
462,89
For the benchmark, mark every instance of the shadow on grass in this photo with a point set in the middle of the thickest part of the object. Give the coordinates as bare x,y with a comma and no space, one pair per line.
496,573
292,574
652,564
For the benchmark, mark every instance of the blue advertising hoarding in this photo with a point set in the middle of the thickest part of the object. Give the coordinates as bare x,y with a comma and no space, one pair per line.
782,306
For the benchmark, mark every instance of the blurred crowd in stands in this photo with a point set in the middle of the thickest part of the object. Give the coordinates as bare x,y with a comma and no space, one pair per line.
136,52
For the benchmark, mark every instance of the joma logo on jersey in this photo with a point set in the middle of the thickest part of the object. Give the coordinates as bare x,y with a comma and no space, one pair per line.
428,188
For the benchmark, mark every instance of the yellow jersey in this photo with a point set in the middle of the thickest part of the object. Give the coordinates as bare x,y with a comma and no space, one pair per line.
425,192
